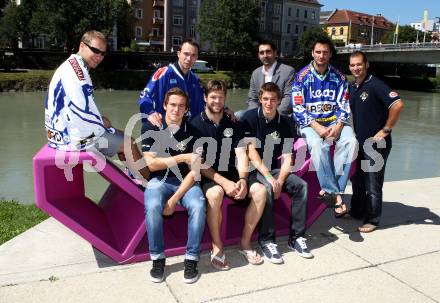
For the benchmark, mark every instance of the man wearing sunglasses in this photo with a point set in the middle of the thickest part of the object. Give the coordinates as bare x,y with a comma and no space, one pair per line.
72,119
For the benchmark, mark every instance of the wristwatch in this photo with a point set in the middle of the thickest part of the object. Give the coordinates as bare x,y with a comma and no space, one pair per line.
387,130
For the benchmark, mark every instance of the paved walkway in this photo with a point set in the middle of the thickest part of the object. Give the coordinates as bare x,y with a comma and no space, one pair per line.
397,263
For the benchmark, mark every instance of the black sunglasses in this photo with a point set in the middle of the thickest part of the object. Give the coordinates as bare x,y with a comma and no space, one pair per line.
95,50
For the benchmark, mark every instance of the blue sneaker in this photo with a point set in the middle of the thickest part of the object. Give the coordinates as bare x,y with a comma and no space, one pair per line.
299,245
271,253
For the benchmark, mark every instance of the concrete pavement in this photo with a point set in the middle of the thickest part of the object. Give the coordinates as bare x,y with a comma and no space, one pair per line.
396,263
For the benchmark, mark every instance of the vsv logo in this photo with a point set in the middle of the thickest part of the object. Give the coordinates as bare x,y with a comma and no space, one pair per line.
325,93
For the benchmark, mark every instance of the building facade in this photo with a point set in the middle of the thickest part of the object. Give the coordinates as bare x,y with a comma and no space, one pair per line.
349,27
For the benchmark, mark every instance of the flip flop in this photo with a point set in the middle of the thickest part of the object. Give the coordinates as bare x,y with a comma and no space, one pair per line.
341,214
220,262
251,256
367,228
328,199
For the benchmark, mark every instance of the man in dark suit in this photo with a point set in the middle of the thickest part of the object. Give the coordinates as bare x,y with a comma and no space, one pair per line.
271,71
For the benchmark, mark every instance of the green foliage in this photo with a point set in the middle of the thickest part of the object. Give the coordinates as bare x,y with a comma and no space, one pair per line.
307,40
407,34
229,25
16,218
11,28
30,81
64,22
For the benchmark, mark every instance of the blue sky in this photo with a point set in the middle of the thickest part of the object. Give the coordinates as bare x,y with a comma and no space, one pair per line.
408,11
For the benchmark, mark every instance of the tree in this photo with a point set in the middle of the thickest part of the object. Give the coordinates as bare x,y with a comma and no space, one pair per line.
307,40
407,34
10,26
229,25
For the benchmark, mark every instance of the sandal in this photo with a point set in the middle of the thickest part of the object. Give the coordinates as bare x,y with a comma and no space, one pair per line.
251,256
367,228
328,199
342,213
220,262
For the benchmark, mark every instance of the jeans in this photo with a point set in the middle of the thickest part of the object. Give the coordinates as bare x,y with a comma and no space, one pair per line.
155,197
332,173
298,190
366,202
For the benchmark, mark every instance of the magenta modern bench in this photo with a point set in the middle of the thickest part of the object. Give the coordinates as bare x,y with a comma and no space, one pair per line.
116,224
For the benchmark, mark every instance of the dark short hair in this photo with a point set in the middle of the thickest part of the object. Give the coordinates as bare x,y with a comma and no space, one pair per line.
215,85
190,42
272,45
324,40
176,91
270,87
359,53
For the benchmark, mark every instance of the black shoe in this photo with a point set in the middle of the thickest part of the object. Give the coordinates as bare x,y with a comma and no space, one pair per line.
190,274
157,271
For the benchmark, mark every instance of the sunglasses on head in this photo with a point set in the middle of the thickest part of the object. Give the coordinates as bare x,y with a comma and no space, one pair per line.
95,50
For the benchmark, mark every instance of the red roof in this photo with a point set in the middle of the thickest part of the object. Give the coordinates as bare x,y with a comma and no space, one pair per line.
344,16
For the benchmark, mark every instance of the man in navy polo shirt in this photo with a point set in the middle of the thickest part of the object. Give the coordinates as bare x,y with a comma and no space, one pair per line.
224,176
274,136
376,109
168,152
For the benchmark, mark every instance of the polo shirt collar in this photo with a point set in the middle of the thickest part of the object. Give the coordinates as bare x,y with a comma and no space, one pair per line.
206,119
261,116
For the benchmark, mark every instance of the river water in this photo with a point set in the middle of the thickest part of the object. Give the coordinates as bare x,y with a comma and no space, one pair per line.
415,152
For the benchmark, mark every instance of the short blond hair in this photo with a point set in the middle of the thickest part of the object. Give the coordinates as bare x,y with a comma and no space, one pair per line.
90,35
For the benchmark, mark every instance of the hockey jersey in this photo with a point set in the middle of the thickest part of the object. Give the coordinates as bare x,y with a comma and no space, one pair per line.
72,119
320,98
152,97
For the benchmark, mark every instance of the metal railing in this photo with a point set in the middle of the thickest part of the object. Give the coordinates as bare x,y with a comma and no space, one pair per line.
384,47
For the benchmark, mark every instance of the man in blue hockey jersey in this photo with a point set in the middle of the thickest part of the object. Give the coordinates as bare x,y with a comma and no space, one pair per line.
176,74
321,109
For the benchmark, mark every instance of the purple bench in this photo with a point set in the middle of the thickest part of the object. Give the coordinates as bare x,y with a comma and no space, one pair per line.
116,224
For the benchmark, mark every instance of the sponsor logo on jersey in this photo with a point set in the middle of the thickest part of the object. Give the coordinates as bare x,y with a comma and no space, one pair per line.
322,108
275,135
181,146
78,71
303,73
364,96
328,93
393,95
54,136
228,132
173,81
298,100
346,96
159,73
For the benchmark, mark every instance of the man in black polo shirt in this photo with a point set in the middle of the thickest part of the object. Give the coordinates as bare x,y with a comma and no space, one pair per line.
275,135
224,176
376,109
168,152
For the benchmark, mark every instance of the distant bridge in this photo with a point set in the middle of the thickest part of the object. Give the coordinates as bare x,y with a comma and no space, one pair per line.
418,53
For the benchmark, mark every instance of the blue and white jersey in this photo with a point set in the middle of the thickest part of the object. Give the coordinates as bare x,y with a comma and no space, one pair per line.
152,97
320,98
72,119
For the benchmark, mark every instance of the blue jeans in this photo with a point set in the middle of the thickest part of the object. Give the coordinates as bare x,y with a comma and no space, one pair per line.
332,173
155,197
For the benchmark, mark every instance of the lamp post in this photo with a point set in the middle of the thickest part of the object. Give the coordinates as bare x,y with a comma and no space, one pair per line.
372,32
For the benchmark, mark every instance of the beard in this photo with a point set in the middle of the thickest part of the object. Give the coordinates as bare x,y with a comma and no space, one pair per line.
212,110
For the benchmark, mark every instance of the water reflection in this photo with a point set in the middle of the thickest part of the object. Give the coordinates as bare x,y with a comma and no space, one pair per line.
414,154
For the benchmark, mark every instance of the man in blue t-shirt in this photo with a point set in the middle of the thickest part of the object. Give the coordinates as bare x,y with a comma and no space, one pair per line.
376,109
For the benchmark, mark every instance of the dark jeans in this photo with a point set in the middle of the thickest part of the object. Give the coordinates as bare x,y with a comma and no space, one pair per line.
366,202
298,190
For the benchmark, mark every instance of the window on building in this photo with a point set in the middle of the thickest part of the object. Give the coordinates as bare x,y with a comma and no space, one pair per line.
296,29
263,8
177,20
156,32
262,26
178,3
39,42
333,31
297,12
156,13
176,40
139,13
313,15
138,31
288,27
286,45
341,31
304,28
289,12
192,30
305,14
276,26
277,9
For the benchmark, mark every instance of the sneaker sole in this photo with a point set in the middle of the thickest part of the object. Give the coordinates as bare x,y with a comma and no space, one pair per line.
274,261
192,280
156,280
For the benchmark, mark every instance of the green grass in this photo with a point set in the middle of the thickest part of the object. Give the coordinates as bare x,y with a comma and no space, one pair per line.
16,218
